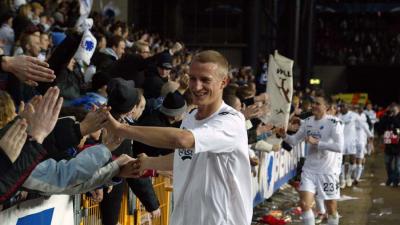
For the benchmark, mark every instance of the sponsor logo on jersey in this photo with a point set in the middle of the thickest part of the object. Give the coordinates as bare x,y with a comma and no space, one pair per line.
185,153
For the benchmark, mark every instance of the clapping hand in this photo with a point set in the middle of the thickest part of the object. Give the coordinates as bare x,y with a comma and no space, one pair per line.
94,120
263,128
252,111
44,117
14,139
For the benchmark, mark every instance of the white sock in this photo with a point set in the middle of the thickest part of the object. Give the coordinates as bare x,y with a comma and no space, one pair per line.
362,169
349,173
343,174
358,172
333,219
320,205
308,217
353,170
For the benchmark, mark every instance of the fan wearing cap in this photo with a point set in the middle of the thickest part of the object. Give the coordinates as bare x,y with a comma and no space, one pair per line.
158,76
211,167
127,104
170,114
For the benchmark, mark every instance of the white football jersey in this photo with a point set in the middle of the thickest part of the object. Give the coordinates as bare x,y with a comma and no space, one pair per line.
350,134
326,157
362,130
212,182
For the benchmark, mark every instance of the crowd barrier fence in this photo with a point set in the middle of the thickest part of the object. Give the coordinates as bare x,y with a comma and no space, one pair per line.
275,169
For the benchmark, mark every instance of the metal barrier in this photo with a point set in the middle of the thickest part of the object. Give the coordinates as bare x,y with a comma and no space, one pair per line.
87,212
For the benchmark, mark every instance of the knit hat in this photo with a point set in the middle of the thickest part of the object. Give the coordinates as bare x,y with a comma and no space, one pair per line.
173,105
122,95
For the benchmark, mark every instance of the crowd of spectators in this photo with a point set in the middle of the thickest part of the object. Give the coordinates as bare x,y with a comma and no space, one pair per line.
357,38
53,121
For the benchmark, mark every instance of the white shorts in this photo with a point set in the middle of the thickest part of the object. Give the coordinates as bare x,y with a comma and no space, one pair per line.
349,149
361,151
324,186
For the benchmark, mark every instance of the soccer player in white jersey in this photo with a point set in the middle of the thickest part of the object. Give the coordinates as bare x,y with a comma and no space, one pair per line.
349,119
211,167
372,117
320,173
364,135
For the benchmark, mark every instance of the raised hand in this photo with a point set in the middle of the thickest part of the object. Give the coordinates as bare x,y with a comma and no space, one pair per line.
112,124
28,110
263,128
280,131
45,115
28,69
110,140
252,111
94,121
14,139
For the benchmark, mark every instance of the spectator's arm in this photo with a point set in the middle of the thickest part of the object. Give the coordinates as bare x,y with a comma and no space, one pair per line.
61,56
12,178
52,176
27,69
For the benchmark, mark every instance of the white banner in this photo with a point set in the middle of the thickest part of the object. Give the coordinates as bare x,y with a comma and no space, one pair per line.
56,210
280,91
275,169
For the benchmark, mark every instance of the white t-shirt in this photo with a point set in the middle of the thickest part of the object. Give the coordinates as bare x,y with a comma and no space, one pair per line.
212,182
326,157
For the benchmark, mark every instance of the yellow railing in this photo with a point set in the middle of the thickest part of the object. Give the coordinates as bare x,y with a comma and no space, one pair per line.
162,187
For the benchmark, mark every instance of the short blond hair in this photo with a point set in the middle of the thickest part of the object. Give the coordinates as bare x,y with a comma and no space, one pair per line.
37,6
7,108
141,45
211,56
